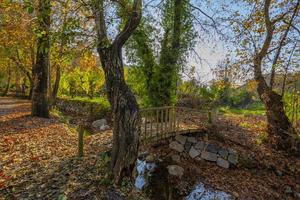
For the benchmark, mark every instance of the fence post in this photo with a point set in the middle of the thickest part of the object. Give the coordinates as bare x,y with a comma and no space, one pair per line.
209,117
80,140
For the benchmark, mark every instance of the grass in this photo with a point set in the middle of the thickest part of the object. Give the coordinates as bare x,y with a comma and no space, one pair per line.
103,101
256,108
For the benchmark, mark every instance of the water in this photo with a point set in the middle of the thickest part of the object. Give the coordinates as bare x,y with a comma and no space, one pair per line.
200,192
144,171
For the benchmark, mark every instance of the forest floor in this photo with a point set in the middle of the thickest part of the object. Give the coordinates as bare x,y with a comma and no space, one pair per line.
38,160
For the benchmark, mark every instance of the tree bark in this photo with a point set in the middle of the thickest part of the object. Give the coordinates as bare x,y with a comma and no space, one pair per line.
56,84
40,106
279,126
126,117
8,82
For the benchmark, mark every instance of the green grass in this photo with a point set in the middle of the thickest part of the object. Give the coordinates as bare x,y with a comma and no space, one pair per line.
254,109
103,101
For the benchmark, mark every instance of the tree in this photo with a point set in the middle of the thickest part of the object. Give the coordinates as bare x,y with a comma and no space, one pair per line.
123,103
40,107
161,75
265,34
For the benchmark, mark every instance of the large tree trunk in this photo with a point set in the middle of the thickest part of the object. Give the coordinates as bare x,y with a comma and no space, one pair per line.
126,117
279,126
124,105
40,107
56,83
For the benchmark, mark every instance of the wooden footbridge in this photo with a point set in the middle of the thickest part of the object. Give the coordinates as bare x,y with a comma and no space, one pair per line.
163,122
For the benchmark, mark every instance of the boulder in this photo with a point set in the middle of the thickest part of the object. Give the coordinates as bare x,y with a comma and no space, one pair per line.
99,123
103,128
181,139
192,139
223,163
175,170
233,159
223,153
188,146
176,146
176,158
200,145
212,148
194,152
209,156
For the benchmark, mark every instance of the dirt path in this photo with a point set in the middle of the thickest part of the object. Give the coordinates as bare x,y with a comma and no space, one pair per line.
38,156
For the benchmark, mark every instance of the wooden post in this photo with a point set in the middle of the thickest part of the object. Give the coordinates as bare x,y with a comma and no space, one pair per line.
80,141
157,120
209,117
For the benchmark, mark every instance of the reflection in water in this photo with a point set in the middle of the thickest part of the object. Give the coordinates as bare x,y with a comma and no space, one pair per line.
202,193
144,170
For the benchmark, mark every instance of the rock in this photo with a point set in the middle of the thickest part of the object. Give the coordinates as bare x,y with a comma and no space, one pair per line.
194,152
231,151
103,128
188,146
192,140
181,139
223,163
99,123
176,146
223,153
150,159
212,148
198,158
175,170
200,145
209,156
176,158
232,158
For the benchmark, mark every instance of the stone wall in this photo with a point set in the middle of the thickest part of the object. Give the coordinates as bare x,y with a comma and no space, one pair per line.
198,150
89,109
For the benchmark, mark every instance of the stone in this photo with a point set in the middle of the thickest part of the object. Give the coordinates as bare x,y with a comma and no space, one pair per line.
200,145
104,127
209,156
176,146
231,151
188,146
194,152
223,163
223,153
175,170
192,140
99,123
232,158
198,158
181,139
150,159
176,158
212,148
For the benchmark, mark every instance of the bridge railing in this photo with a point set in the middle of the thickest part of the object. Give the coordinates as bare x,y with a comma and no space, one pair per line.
163,122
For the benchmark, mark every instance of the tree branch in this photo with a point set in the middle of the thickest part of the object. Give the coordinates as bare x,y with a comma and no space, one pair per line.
130,26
